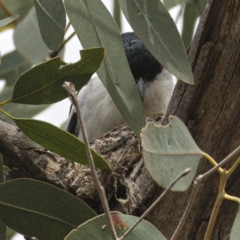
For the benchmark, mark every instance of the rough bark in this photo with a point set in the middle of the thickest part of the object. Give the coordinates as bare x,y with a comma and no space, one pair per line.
211,111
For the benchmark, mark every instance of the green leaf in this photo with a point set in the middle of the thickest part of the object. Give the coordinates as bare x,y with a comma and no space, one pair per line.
189,18
96,27
43,83
8,20
28,40
2,226
59,141
13,65
16,7
38,209
168,151
235,232
154,26
172,3
52,21
93,230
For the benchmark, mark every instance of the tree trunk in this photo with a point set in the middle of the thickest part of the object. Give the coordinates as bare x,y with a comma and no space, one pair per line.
211,111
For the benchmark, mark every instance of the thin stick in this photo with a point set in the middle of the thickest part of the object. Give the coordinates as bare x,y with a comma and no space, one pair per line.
69,87
6,10
184,173
196,187
235,153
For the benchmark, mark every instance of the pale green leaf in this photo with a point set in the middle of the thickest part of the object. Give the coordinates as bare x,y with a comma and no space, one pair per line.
172,3
2,226
43,83
168,151
13,65
52,21
59,141
95,26
8,20
94,229
28,40
38,209
153,24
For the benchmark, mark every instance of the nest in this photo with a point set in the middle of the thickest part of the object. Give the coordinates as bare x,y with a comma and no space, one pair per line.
128,185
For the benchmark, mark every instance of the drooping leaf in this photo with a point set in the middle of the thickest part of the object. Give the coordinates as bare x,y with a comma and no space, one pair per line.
51,20
38,209
43,83
16,7
96,229
2,226
189,18
153,24
28,41
8,20
96,27
235,232
13,65
172,3
58,141
168,151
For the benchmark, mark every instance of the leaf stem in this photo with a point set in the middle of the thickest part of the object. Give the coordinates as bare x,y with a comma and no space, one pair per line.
69,87
6,114
5,102
184,173
7,11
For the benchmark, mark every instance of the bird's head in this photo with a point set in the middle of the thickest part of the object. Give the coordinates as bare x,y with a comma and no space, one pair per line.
143,65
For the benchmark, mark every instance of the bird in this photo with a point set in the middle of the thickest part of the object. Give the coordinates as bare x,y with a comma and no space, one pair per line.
100,114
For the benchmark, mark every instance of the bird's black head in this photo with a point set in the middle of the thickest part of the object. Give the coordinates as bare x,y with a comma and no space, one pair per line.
142,63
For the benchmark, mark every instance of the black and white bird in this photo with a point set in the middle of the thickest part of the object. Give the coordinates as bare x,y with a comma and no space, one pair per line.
100,113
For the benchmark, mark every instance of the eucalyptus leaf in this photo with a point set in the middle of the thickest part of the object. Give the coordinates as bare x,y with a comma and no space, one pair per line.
153,24
189,18
97,229
235,232
38,209
13,65
58,141
8,20
52,21
43,83
172,3
16,7
95,26
168,151
28,41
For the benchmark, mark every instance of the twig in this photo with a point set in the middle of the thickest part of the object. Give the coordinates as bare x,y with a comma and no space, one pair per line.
196,187
69,87
55,53
6,10
232,155
184,173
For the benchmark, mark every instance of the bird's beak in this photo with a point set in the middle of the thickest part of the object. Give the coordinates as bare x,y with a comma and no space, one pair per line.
142,85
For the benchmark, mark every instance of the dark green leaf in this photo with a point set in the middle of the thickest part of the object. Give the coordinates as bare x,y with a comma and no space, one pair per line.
58,141
38,209
172,3
96,27
8,20
16,7
93,230
235,232
13,65
189,18
154,26
28,40
2,226
51,20
43,83
168,151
